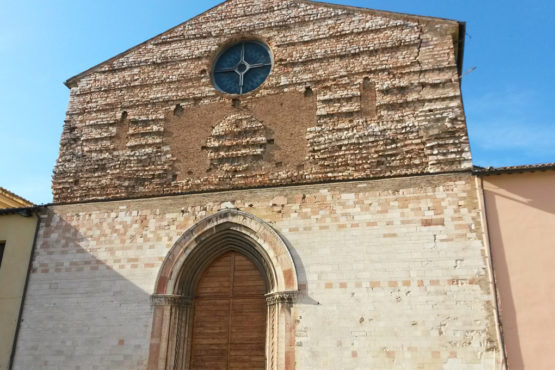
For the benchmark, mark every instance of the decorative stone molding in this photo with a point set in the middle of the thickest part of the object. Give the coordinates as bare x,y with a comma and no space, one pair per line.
170,300
258,236
281,297
229,229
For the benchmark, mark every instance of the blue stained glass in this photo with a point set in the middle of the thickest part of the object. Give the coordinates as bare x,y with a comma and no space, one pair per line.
256,54
230,58
255,77
242,68
228,82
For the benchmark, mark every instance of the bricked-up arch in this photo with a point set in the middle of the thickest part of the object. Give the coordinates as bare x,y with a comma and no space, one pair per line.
228,230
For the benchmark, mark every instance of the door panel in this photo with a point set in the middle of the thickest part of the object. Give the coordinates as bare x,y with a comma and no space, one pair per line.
229,327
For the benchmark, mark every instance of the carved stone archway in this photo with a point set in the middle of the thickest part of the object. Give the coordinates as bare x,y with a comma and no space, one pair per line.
196,248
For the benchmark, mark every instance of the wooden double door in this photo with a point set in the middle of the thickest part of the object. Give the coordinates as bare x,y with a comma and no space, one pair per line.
229,325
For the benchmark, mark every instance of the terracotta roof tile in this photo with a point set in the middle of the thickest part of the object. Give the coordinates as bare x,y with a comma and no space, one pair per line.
11,200
514,169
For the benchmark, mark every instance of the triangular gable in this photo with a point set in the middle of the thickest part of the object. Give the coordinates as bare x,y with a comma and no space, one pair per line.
352,94
217,22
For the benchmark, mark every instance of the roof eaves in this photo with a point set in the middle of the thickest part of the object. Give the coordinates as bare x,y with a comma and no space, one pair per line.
386,13
15,197
460,47
22,211
514,169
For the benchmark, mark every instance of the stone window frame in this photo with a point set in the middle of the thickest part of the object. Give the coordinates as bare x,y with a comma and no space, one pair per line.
227,230
242,62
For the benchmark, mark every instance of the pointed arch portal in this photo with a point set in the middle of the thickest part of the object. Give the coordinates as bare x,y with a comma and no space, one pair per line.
229,240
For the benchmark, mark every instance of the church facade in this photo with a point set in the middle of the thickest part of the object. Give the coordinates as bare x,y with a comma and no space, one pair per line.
271,184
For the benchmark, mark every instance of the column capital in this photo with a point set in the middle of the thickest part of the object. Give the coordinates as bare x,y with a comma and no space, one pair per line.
281,297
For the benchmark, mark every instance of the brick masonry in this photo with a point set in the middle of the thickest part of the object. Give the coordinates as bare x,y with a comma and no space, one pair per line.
353,94
393,274
392,267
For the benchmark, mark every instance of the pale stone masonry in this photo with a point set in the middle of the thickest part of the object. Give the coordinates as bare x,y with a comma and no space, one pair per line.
345,178
393,275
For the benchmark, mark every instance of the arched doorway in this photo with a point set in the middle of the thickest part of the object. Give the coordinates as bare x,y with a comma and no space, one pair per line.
245,236
229,324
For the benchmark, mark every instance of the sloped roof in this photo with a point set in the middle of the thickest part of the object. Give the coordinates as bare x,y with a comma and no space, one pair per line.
22,211
71,82
385,13
11,200
514,169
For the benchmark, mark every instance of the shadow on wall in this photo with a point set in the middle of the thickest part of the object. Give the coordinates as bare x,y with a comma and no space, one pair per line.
80,312
303,297
89,298
532,191
505,291
521,218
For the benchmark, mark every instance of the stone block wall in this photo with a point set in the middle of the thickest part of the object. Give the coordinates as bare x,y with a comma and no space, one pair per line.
353,94
393,274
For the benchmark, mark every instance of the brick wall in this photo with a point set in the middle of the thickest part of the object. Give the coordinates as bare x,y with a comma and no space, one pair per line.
393,275
353,94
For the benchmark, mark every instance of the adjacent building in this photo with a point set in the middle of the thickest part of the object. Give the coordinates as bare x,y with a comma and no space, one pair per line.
17,233
520,208
10,200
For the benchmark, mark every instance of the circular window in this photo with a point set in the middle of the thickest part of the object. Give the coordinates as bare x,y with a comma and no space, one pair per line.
242,67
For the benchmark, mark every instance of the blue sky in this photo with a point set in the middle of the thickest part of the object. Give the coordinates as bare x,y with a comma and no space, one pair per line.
509,98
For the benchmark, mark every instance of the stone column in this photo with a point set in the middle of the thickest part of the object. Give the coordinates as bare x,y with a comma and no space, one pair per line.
278,348
174,315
